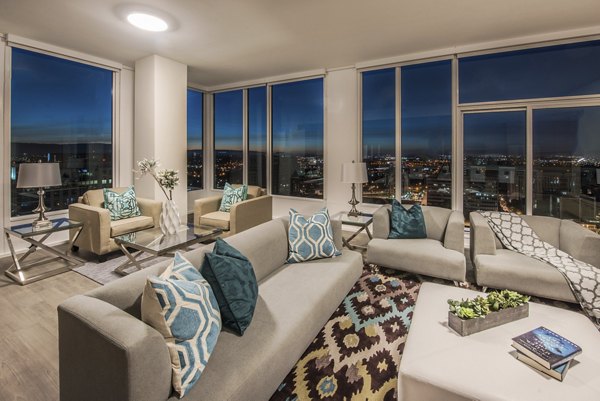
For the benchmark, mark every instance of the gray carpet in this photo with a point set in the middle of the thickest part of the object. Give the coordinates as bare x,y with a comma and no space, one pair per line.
103,273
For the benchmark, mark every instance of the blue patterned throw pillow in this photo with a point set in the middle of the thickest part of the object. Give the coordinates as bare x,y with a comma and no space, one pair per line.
181,306
121,206
231,276
232,196
310,238
407,223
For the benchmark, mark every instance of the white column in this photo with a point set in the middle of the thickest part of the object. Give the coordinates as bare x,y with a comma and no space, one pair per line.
161,122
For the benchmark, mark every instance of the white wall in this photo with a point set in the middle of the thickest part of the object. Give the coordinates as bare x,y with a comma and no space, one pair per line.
124,174
160,122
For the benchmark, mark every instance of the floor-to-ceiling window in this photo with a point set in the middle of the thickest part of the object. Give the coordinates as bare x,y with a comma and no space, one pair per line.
494,161
566,163
297,138
257,136
525,131
195,130
60,111
228,138
379,134
426,118
558,89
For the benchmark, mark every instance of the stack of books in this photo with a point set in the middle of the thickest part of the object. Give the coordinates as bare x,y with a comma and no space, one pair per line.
546,351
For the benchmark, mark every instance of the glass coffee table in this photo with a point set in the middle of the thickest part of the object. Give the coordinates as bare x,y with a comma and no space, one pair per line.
156,244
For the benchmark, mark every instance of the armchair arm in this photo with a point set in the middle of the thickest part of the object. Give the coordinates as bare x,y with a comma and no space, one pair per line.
381,222
455,232
580,242
95,235
107,354
250,213
150,208
206,205
482,238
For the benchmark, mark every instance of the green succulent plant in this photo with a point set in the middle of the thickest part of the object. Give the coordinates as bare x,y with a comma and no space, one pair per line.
481,306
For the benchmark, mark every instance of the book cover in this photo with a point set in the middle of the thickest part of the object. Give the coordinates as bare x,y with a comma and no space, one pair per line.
546,347
558,372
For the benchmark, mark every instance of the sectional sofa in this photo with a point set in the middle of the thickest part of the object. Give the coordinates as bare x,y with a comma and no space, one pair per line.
108,354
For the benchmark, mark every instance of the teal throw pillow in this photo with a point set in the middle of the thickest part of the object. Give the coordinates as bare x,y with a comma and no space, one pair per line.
180,305
407,223
121,206
310,238
233,281
232,196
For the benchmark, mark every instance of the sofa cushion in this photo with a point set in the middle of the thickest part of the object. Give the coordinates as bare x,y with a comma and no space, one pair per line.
547,228
216,219
254,191
422,256
515,271
294,304
121,205
406,223
95,197
232,278
126,226
310,238
232,195
181,306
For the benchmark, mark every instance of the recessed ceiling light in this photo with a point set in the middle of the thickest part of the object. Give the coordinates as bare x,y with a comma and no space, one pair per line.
147,22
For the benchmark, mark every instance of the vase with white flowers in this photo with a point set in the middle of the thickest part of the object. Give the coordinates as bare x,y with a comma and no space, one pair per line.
167,180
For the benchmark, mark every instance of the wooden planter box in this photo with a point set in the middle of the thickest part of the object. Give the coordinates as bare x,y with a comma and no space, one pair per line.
493,319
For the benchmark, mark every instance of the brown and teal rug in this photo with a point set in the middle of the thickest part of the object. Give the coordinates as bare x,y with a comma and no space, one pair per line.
357,354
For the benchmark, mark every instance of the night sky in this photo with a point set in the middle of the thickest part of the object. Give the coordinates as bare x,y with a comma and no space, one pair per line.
59,101
55,100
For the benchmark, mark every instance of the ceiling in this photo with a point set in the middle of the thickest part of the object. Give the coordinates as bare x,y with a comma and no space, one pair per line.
224,41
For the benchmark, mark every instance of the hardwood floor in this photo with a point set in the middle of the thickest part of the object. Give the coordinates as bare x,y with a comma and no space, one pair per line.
29,334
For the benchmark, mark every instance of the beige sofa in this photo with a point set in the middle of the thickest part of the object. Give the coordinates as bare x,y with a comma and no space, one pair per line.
498,267
107,353
257,209
440,255
98,230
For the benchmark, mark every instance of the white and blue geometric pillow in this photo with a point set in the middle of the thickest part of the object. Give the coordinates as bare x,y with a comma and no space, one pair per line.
121,206
181,306
232,195
310,238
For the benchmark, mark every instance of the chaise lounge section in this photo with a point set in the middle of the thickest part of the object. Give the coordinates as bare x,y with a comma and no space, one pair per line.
498,267
108,353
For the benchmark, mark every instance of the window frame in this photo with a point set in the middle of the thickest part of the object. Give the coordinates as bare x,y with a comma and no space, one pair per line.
458,109
210,126
76,57
205,97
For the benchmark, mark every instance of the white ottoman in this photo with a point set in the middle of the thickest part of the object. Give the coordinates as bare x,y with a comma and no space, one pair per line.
440,365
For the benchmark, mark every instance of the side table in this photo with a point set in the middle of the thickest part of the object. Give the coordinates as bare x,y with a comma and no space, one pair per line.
19,272
363,220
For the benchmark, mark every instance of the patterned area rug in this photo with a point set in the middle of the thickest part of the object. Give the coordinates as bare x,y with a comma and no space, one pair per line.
357,354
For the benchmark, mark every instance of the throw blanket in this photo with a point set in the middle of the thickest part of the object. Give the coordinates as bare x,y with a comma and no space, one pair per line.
583,278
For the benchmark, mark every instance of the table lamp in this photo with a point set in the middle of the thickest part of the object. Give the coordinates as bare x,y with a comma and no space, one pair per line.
354,173
39,175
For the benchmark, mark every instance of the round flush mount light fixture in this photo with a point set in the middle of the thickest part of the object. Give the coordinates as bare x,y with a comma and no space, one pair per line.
146,18
147,22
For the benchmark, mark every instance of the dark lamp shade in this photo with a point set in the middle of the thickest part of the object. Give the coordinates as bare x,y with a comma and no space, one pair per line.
38,175
354,173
